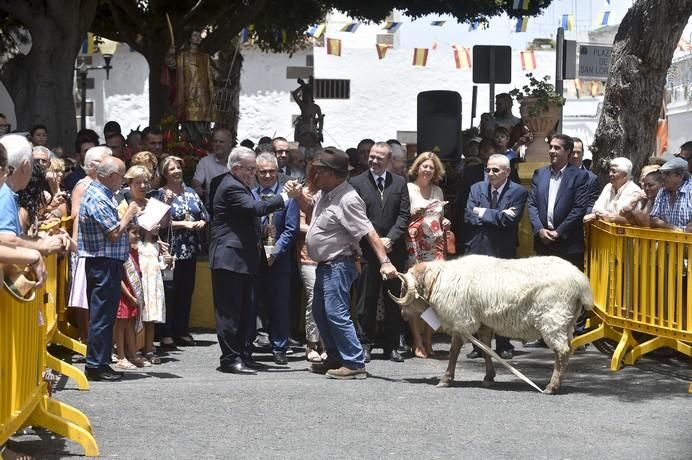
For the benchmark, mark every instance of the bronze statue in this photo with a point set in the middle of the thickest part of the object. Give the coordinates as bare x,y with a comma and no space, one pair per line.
311,119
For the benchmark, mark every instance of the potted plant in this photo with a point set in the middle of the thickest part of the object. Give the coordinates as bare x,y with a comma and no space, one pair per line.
539,105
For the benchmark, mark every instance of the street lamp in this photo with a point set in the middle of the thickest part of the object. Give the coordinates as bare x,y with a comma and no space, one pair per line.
107,49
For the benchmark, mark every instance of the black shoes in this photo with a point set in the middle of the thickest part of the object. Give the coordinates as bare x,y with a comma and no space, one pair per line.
102,374
536,344
184,341
395,356
236,368
506,354
475,354
252,364
280,358
366,352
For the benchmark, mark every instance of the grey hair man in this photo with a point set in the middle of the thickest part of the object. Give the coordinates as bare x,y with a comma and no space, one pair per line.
673,206
397,165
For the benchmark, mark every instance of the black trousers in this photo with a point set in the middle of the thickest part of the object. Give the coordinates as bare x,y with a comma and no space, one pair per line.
236,309
178,294
366,308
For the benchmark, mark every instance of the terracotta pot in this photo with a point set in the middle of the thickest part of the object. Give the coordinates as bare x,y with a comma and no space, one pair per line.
541,126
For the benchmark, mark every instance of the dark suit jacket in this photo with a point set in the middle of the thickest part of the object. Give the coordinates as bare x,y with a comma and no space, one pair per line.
236,243
496,233
389,214
594,190
286,222
570,207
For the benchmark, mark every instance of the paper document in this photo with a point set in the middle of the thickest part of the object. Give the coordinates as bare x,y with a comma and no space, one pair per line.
430,317
152,214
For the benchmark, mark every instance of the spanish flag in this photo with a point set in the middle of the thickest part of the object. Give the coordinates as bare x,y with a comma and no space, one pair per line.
382,49
568,21
334,46
462,57
528,60
88,45
522,24
420,56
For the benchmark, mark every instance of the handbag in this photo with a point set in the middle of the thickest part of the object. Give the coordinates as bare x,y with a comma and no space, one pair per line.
450,242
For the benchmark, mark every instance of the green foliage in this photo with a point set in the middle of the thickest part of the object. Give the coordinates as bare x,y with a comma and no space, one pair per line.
542,90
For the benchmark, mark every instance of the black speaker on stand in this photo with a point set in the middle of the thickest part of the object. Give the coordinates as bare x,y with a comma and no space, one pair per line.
439,124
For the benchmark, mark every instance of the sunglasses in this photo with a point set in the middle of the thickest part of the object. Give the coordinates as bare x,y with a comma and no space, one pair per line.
493,170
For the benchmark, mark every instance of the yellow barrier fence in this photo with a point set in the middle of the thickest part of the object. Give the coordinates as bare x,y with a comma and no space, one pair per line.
640,280
24,396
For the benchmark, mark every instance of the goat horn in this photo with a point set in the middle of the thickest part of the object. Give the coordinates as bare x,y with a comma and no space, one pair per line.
406,299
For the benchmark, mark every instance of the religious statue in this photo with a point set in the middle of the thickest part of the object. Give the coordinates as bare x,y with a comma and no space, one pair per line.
311,119
194,87
519,134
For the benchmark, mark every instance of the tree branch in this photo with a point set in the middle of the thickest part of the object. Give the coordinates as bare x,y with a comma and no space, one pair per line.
232,26
20,10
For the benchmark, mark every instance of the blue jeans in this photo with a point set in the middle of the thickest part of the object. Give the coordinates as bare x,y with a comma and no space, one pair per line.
331,309
103,288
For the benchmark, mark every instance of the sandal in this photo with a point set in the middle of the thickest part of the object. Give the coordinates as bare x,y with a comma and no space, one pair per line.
140,362
125,364
152,358
313,356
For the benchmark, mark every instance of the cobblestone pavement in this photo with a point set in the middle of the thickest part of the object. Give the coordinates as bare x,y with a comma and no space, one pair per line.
184,409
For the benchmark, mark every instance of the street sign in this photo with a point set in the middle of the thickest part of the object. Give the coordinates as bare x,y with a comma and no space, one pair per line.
594,61
492,64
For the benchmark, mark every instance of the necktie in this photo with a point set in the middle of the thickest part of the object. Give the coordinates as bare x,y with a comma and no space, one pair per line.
380,184
493,202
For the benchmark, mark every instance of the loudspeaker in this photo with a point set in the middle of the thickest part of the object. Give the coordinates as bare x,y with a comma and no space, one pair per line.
439,123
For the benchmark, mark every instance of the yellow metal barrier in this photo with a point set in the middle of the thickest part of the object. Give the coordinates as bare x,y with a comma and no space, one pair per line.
62,297
640,280
24,399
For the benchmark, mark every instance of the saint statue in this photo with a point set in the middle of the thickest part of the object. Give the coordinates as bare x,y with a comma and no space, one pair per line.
194,87
311,119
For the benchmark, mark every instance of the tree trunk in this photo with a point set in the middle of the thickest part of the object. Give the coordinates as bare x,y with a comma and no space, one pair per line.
159,104
227,87
642,53
40,83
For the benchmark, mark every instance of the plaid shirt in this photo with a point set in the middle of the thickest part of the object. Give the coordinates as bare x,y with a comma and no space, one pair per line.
678,212
98,216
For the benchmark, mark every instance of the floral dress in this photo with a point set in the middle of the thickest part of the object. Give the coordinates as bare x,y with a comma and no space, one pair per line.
185,244
425,239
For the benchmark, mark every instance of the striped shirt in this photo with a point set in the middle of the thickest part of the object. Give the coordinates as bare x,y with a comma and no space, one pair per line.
98,216
676,211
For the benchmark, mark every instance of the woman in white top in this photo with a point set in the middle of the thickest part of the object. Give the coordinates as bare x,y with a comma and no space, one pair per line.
425,240
621,193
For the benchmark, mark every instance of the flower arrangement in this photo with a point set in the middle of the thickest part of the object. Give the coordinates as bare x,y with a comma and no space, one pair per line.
176,143
541,91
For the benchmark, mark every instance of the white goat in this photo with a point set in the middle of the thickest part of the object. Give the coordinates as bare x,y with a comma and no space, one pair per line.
519,298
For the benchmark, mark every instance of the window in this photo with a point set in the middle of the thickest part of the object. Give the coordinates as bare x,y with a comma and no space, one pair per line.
332,89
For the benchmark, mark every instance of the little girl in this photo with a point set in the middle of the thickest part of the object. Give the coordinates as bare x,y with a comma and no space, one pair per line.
128,320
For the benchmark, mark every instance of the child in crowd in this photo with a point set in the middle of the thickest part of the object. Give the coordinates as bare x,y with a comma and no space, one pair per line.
502,143
128,320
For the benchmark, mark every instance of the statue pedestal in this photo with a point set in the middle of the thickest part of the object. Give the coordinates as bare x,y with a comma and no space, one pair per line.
541,126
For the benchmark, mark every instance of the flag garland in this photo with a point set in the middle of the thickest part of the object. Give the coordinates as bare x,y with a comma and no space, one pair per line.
603,18
382,49
568,21
317,30
522,24
437,23
475,25
88,45
462,57
420,57
528,60
352,27
334,46
392,27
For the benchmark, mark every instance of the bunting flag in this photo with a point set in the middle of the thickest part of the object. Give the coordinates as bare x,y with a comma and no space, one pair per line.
462,57
594,89
284,36
568,21
420,57
334,46
244,35
603,17
528,60
437,23
382,50
350,27
434,45
88,45
392,27
317,30
523,3
522,24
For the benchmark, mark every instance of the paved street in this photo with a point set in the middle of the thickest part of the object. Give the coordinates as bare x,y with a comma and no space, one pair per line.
185,409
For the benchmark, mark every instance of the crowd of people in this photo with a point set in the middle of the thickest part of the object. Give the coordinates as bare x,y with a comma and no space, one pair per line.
295,227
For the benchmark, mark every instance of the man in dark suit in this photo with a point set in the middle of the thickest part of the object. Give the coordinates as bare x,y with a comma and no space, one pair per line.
279,231
236,254
577,159
557,203
388,208
493,212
